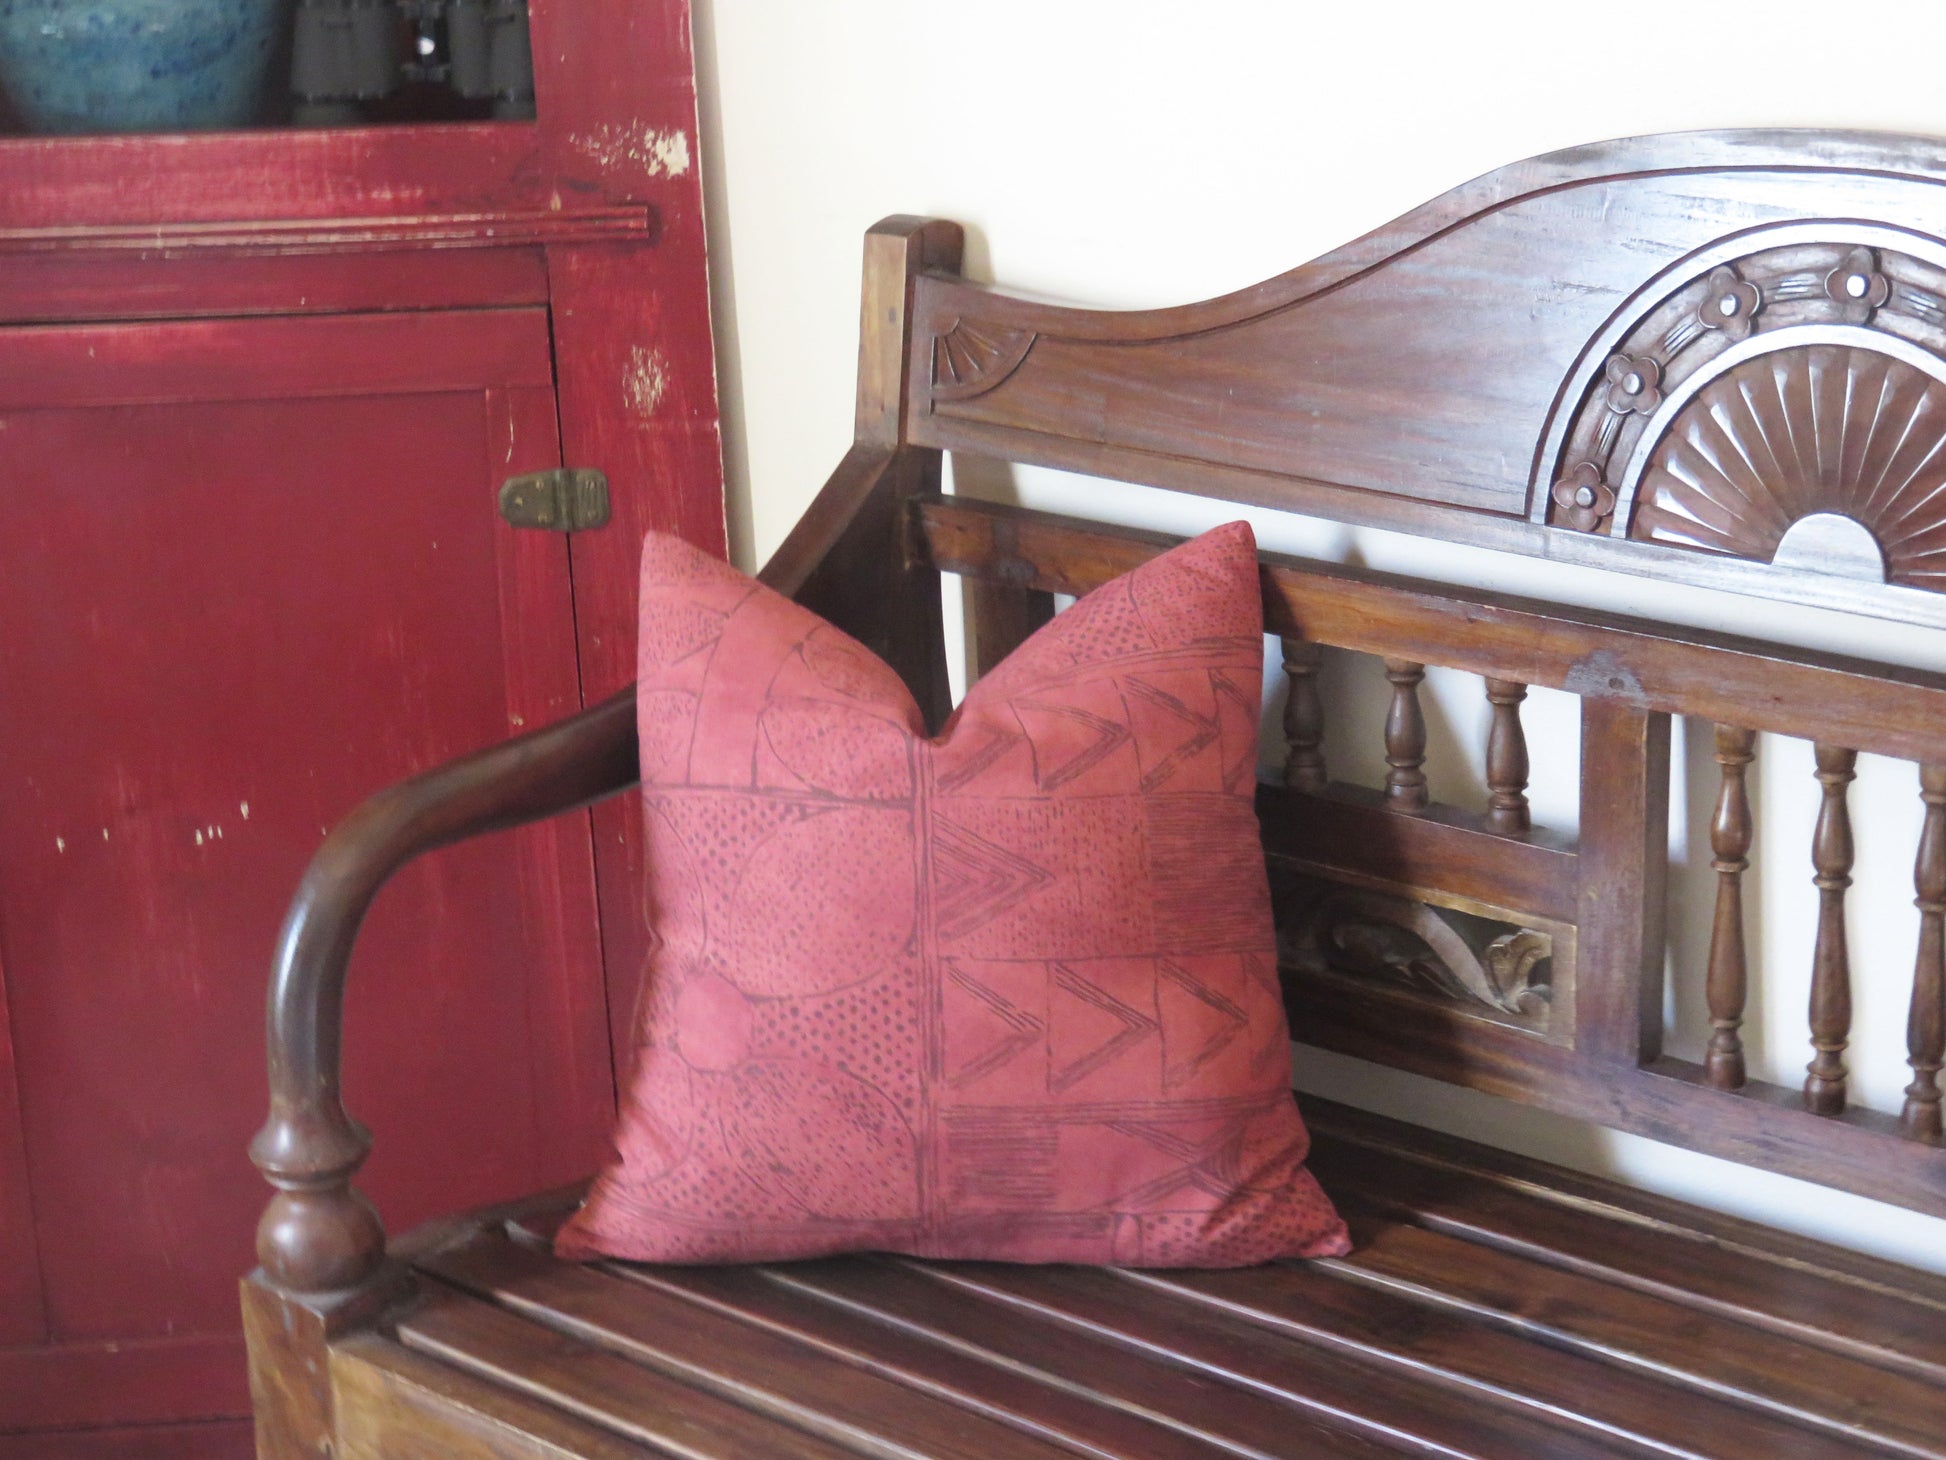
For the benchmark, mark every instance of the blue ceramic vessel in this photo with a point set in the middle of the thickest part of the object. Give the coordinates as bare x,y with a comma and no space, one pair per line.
138,65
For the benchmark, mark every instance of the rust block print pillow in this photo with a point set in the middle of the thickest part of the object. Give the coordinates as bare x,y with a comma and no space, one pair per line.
1009,994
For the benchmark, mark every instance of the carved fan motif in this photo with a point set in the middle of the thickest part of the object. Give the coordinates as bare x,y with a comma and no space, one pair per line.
1811,429
969,360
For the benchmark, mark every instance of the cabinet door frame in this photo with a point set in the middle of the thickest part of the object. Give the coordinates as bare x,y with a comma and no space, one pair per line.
502,357
615,95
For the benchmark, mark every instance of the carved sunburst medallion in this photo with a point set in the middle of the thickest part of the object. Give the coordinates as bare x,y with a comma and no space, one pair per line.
1808,430
971,359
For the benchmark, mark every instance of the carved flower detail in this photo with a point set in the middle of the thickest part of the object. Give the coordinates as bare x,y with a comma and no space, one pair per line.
1634,384
1730,305
1858,286
1582,499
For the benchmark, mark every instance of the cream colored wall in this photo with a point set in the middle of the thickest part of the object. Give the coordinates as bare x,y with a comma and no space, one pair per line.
1136,153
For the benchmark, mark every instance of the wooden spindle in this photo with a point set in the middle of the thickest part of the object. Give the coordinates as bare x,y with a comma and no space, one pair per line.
1728,969
1925,1031
1831,855
1507,760
1405,737
1303,717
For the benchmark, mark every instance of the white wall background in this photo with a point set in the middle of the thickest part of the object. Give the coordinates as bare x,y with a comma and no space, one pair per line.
1125,153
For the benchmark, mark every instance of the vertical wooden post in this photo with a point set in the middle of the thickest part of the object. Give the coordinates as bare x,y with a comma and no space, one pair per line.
1730,832
1624,870
1507,760
1831,855
852,557
1003,616
1926,1026
1405,738
1303,717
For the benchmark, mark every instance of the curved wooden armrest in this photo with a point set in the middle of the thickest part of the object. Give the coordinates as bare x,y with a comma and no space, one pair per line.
318,1234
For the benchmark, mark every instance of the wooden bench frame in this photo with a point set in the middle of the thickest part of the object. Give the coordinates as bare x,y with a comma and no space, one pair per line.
1328,390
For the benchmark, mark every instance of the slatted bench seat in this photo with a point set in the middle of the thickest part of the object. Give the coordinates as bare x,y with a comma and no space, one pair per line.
1494,1307
1717,359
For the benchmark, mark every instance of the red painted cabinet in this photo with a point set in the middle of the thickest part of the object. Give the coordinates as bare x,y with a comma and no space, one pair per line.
252,570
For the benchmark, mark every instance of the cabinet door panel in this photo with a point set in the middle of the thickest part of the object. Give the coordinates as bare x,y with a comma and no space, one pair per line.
228,620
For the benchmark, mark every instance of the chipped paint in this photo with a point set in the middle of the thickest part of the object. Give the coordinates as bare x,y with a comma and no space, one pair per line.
645,381
656,153
60,844
243,809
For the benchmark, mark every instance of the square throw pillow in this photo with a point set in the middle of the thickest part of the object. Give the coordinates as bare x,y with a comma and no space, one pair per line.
1009,994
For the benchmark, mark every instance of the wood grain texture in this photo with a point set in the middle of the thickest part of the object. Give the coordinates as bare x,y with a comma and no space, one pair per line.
1507,809
1443,374
1831,855
1405,738
1496,1306
1304,768
1887,709
1630,674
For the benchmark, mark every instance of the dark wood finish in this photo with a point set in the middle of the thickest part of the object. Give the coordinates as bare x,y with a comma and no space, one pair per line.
1495,1307
1507,810
1303,717
1002,617
1624,868
1405,738
1831,854
1630,674
1349,829
1879,708
1398,381
1730,832
1926,1026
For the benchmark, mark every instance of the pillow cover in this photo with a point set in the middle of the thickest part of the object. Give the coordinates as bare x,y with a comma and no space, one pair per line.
1009,994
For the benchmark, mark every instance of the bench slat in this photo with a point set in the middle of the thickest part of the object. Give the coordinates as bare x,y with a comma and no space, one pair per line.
1495,1307
1378,1400
1687,1264
1500,1367
1121,1412
1680,1344
789,1382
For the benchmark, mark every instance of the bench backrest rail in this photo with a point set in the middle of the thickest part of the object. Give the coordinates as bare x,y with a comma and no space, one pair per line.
1537,965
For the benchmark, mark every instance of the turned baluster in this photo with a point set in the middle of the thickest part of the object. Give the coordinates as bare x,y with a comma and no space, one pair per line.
1728,970
1507,760
1303,717
1405,737
1831,855
1926,1028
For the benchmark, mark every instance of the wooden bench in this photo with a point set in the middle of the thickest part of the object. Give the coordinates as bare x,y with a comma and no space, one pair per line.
1718,359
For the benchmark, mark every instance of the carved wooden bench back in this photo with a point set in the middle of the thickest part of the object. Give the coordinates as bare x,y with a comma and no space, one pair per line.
1717,359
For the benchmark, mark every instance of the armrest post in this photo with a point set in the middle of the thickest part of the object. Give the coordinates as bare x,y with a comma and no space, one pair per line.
852,558
319,1234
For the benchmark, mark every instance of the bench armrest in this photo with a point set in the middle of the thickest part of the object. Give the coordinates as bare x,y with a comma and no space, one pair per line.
318,1234
851,558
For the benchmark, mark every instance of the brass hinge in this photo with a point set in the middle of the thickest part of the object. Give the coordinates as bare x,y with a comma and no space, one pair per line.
568,499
